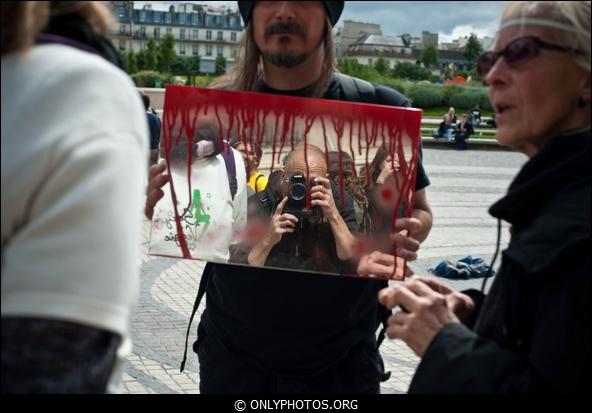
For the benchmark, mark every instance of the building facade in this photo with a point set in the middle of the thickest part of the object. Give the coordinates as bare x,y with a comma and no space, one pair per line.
350,33
199,30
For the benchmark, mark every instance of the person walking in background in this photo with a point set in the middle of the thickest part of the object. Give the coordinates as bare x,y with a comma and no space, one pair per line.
74,148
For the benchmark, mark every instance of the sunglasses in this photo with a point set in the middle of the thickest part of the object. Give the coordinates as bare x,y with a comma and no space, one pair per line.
518,51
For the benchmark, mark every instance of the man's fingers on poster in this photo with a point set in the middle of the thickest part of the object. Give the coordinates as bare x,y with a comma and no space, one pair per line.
157,169
151,200
411,225
376,263
406,246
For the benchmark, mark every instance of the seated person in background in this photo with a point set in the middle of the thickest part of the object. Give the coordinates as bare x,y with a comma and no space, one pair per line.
464,131
476,115
343,175
444,129
251,157
452,117
286,230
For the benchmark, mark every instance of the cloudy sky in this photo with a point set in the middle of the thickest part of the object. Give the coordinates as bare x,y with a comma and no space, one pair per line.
450,19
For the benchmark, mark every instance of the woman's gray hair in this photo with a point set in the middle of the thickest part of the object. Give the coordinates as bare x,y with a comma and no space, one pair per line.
569,18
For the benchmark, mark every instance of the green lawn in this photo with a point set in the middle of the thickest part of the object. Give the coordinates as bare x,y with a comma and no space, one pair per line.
442,111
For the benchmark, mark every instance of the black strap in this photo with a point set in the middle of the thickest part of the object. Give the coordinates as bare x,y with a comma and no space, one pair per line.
228,156
200,293
257,180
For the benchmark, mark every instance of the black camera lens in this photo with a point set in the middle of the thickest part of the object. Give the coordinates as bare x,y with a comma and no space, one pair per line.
298,191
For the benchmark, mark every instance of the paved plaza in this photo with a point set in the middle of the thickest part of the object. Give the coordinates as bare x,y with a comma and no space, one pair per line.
463,186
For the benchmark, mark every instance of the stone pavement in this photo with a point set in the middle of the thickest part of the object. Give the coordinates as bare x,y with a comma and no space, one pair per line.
463,185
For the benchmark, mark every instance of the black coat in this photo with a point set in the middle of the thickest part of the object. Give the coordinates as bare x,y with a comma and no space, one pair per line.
532,333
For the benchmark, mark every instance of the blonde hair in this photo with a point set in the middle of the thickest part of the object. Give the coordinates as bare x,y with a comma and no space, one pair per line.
569,18
21,23
248,71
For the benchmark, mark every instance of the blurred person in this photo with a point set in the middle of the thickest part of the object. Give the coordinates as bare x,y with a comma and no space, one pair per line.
256,180
74,148
154,126
531,333
342,172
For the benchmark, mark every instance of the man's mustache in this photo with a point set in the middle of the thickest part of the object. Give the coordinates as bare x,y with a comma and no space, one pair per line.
284,27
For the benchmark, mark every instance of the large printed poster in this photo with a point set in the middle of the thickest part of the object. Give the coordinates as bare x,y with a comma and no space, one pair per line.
284,182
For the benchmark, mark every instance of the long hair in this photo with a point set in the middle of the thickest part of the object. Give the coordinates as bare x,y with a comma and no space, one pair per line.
21,23
248,70
351,182
369,175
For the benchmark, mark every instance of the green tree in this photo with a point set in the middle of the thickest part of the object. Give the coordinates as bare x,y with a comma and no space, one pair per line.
179,66
411,71
473,50
129,60
429,56
220,65
166,53
381,65
151,55
141,60
192,68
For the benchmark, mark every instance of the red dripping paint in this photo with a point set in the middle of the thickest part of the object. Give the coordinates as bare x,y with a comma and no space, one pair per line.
277,123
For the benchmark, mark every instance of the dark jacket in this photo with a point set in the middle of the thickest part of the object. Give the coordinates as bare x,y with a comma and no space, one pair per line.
533,330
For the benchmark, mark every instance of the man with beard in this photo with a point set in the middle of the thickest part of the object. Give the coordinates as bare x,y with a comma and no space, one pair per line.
270,331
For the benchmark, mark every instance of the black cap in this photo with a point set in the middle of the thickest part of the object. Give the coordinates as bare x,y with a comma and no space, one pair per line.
333,8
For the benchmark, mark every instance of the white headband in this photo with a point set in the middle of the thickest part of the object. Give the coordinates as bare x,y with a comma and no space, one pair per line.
541,22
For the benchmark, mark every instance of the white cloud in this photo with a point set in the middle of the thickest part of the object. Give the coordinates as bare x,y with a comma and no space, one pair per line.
465,30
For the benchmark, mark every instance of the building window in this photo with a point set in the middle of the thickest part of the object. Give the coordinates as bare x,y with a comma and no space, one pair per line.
169,30
121,44
143,31
208,50
157,33
220,50
156,17
194,49
233,36
220,36
182,36
122,29
209,35
369,62
182,48
194,19
142,15
142,44
194,35
181,18
169,18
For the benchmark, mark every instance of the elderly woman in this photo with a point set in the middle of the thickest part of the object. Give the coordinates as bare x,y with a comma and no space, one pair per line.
532,332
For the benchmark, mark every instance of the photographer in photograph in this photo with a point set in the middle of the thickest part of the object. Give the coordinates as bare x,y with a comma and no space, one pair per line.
297,223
